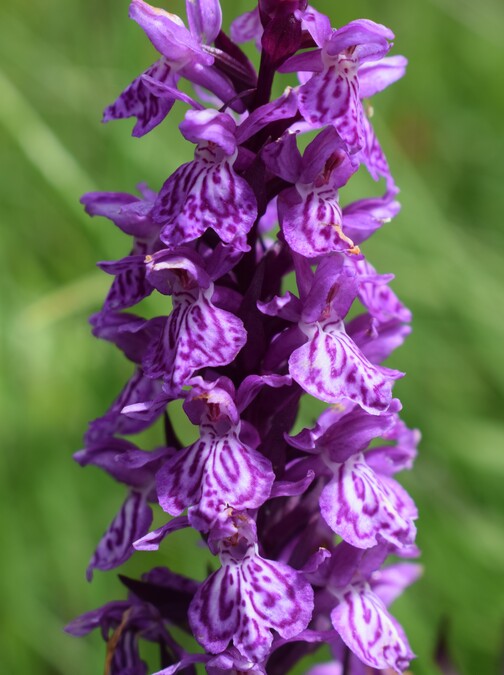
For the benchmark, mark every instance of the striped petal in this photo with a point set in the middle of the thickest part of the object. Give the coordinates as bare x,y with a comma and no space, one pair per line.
363,509
116,545
211,474
206,193
137,100
214,614
369,630
332,97
311,220
330,367
197,334
244,601
130,285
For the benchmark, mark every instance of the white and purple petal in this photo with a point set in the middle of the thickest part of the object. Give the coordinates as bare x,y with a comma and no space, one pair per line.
330,367
311,220
176,272
332,97
280,598
211,405
206,193
214,614
211,126
211,474
116,545
373,635
197,334
363,508
137,100
369,40
244,601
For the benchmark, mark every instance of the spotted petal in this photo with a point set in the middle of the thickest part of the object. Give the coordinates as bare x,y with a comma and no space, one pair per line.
332,97
369,630
137,100
206,193
244,601
362,509
116,545
130,285
311,220
211,474
330,367
197,334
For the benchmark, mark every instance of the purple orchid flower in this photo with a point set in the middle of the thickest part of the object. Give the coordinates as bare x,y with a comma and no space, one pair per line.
360,502
332,94
184,52
329,364
248,596
309,213
197,332
300,526
359,594
207,192
222,469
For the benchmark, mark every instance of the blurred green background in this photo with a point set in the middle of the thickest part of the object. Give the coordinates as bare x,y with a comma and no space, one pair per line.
442,130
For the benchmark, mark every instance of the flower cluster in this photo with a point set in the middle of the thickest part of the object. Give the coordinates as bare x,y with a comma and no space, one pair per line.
301,525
